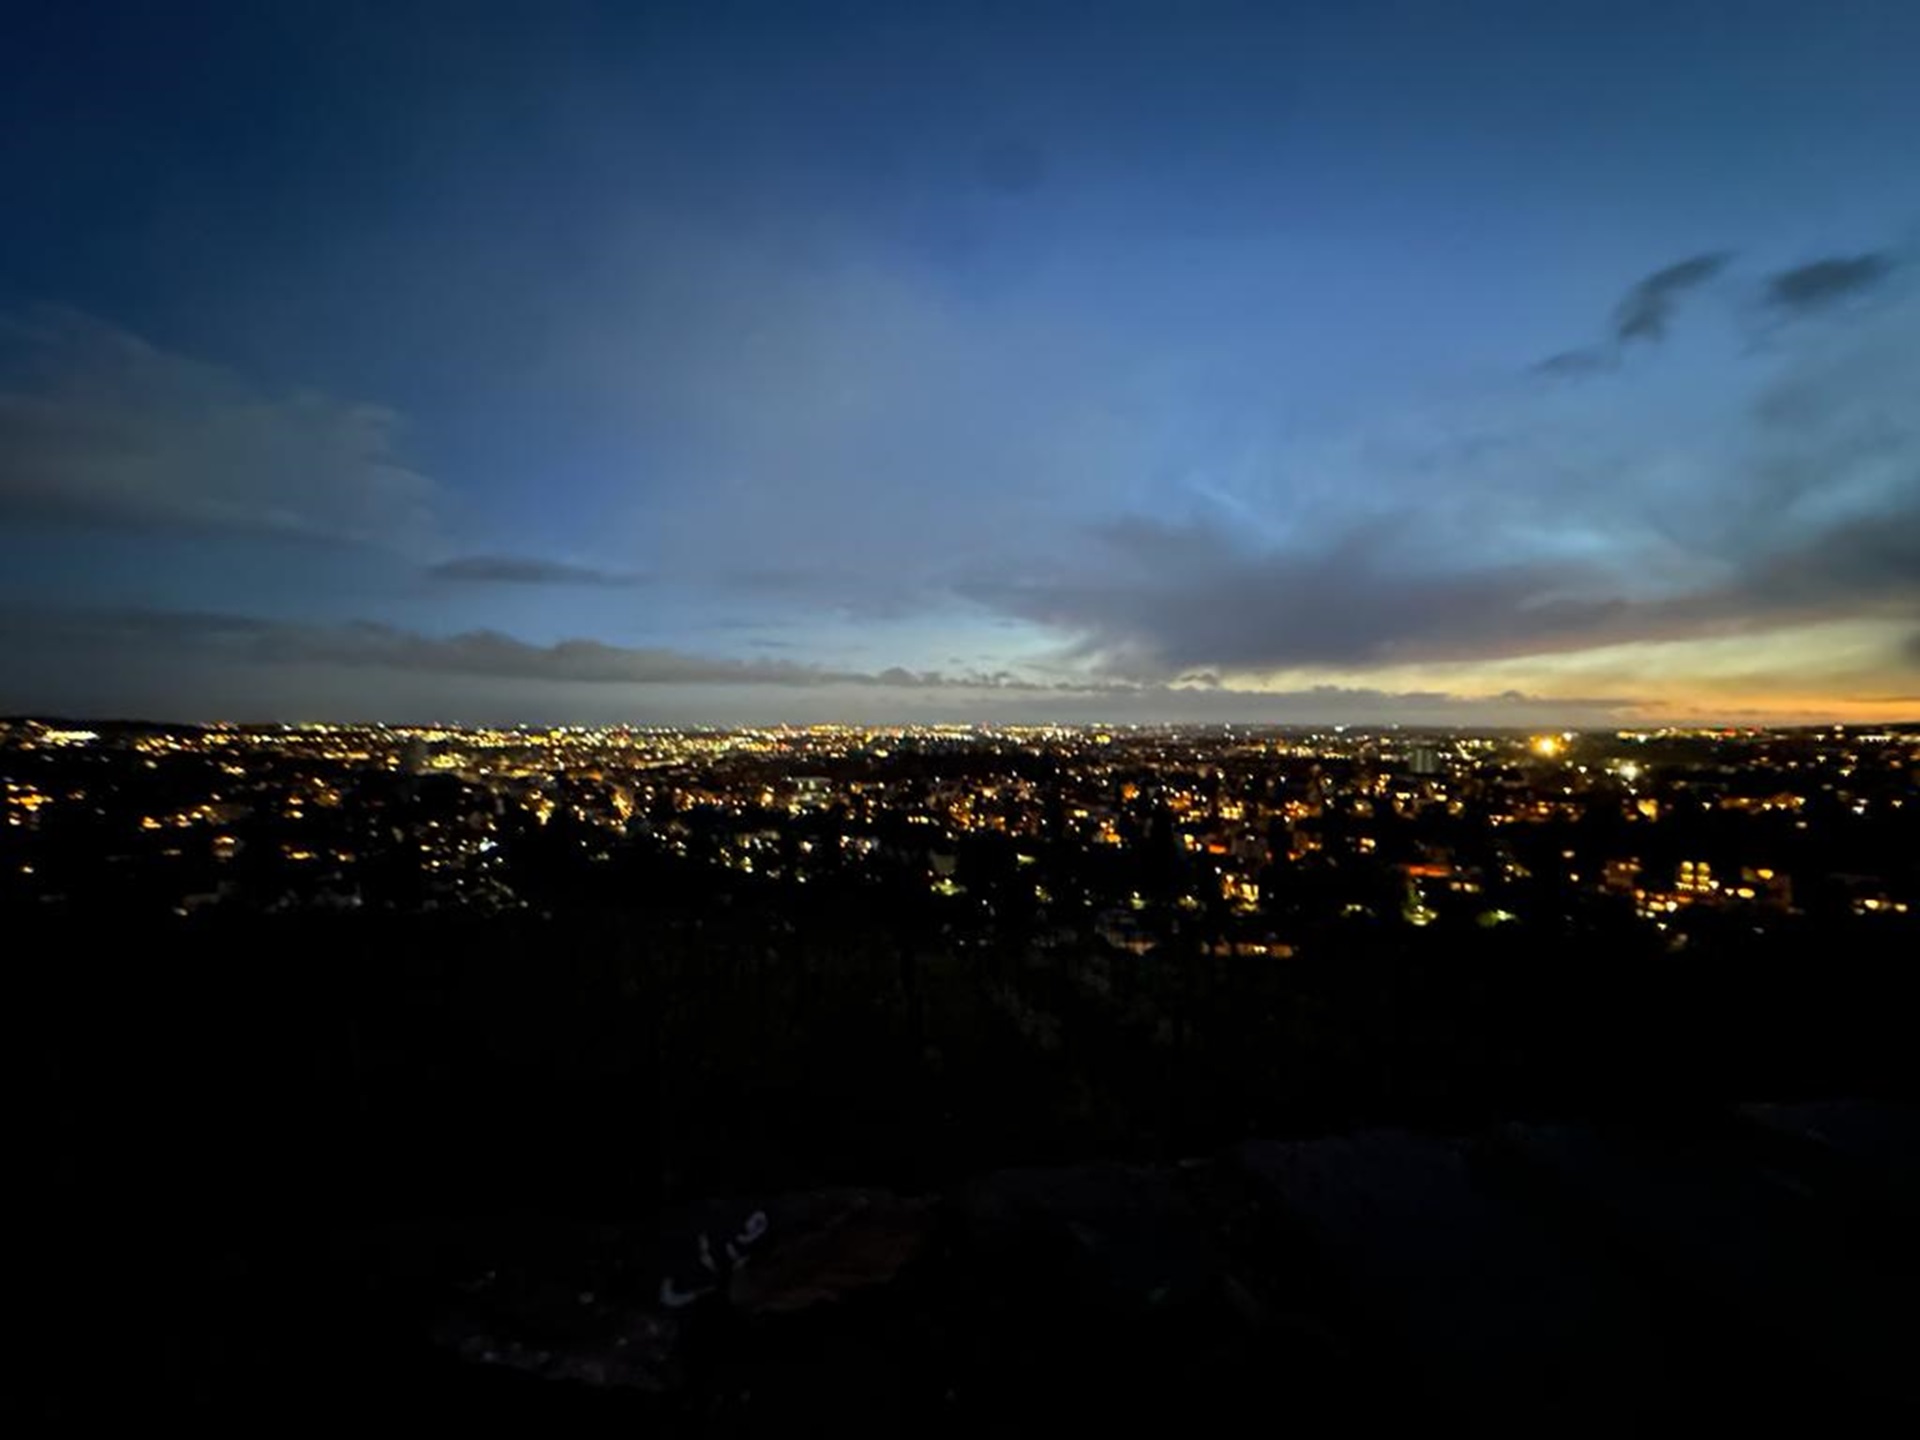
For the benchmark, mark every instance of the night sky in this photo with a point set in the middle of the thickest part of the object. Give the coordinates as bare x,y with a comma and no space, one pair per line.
711,362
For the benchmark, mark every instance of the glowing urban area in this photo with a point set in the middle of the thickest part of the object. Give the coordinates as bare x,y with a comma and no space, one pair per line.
1247,841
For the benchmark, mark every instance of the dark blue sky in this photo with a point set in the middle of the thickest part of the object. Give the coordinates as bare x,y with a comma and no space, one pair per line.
726,361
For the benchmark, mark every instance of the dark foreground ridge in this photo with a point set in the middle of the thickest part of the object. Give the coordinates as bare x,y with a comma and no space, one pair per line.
1733,1263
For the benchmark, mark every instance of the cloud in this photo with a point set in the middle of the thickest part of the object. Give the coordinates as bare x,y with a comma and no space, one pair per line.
1648,307
525,570
1787,494
184,664
366,644
1171,600
1644,314
1180,602
1822,283
1588,361
372,645
101,429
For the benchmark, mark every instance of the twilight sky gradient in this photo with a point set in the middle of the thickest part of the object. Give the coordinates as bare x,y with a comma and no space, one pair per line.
1439,363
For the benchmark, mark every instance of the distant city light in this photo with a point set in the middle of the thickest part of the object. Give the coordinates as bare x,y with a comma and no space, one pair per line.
1237,825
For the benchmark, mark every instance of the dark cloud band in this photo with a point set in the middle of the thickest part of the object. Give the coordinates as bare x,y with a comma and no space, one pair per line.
525,570
1826,282
1647,309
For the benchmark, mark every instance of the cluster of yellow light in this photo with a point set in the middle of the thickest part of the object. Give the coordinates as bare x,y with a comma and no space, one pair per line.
1696,878
68,737
25,797
1244,893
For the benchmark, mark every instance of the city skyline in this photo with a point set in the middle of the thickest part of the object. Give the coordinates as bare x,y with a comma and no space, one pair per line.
752,364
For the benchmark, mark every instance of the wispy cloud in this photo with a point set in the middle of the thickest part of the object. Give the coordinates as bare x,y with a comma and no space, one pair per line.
99,428
1822,283
1591,360
526,570
1647,309
1644,315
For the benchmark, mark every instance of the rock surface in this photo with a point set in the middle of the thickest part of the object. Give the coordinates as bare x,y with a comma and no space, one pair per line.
1735,1264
